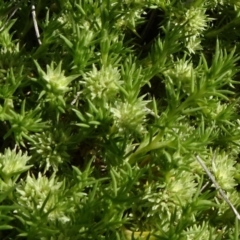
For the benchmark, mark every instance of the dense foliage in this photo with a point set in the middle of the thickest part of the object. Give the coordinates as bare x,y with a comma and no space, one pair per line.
103,116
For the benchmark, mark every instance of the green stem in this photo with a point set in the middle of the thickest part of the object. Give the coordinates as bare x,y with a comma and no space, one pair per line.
147,145
155,144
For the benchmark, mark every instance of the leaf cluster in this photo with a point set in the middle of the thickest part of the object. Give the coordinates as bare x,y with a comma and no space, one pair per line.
101,122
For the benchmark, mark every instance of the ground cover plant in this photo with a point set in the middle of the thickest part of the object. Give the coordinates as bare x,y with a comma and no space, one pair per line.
113,114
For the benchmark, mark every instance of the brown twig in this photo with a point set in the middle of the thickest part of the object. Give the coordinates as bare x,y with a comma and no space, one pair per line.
34,17
212,178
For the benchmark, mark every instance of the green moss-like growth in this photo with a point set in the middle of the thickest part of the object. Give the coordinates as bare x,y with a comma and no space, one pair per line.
103,116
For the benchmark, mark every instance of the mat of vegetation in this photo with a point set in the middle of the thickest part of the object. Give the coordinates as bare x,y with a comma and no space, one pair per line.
105,111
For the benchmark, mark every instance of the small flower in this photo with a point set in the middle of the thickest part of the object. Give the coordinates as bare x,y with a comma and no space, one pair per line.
180,185
181,74
102,84
160,204
220,112
37,190
224,170
54,80
194,21
194,44
12,163
55,85
130,116
51,147
63,20
198,232
130,18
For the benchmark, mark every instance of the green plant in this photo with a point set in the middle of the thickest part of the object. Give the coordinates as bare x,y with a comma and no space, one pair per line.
105,113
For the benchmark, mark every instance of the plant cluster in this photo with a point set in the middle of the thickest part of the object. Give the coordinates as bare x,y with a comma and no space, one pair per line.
101,121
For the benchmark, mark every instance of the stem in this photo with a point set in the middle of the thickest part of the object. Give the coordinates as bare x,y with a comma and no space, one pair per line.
147,145
35,23
212,178
152,146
